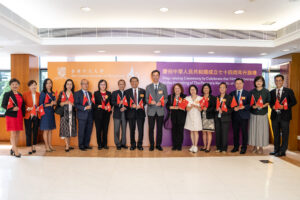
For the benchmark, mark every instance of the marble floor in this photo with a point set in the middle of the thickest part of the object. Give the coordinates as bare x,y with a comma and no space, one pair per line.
81,178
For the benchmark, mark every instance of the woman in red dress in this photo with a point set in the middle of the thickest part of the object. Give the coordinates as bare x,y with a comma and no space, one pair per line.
15,109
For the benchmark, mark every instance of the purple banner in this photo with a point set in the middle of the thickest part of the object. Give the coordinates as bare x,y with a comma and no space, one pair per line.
200,73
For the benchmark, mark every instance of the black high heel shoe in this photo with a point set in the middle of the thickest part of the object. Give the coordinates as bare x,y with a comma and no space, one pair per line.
67,150
12,152
33,151
17,156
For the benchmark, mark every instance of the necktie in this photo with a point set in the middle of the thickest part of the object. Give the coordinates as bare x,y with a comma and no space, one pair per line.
155,89
239,95
135,97
278,95
88,97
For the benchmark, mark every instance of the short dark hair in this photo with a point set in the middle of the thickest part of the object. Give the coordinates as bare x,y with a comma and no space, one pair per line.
194,86
65,85
45,83
223,83
154,71
134,77
179,85
259,78
239,79
31,82
102,80
121,81
279,75
14,80
208,85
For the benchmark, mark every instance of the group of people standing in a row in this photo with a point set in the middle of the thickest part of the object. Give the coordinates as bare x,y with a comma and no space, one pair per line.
246,111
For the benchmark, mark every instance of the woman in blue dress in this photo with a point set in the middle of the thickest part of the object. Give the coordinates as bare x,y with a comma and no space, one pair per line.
48,100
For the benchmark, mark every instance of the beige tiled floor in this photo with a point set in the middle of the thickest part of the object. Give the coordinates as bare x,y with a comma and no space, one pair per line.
230,177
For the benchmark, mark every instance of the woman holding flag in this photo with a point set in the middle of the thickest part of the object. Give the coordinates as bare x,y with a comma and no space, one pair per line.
259,124
31,120
223,118
68,127
208,104
15,110
46,103
102,111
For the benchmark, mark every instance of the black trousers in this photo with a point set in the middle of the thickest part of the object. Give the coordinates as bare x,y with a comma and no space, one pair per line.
222,129
159,126
140,125
282,126
177,134
102,129
237,125
31,130
85,128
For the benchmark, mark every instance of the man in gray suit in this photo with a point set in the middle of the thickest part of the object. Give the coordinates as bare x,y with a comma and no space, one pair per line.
159,94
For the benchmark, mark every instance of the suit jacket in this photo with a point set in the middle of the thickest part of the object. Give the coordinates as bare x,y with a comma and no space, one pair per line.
99,112
177,116
78,101
287,93
10,112
117,114
210,112
162,91
245,113
27,96
132,113
225,116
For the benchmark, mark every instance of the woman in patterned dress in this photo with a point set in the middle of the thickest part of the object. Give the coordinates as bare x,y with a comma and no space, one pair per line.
68,126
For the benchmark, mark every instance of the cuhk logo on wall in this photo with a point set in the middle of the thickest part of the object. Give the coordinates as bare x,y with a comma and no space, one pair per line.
61,72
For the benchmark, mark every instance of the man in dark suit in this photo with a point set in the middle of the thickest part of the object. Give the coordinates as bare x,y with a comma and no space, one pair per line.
84,115
280,116
155,109
240,116
136,113
119,115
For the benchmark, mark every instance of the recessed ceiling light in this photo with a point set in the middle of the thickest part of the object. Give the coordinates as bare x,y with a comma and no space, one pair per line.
156,51
263,54
238,12
85,9
285,50
101,51
164,9
211,52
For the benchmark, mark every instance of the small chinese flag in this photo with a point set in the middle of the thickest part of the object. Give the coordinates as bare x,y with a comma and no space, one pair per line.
260,102
141,104
162,101
63,97
241,103
202,103
47,99
277,104
131,102
224,107
252,100
118,99
150,99
233,102
71,98
102,104
174,102
10,103
218,104
41,111
108,107
93,99
183,104
55,95
124,100
85,99
285,104
33,111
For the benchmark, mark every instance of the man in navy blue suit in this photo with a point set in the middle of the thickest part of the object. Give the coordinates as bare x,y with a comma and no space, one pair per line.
240,116
84,104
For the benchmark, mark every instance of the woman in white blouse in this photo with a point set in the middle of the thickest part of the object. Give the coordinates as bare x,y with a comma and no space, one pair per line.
193,121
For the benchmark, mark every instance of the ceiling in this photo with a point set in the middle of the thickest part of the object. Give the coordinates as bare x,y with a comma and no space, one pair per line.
208,14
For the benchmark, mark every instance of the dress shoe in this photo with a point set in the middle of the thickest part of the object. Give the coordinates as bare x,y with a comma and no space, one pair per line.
82,149
99,147
179,148
67,150
71,148
124,147
151,148
118,147
30,152
140,148
106,147
34,151
203,149
234,150
273,153
207,151
89,147
159,148
174,148
243,151
132,148
18,156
